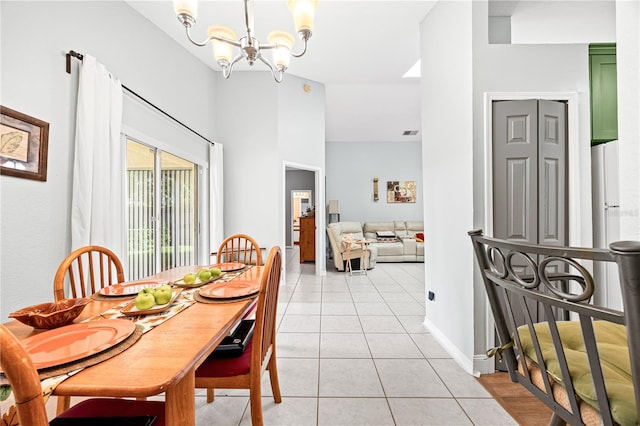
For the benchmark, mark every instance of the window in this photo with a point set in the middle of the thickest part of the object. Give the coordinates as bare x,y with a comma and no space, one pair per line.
162,210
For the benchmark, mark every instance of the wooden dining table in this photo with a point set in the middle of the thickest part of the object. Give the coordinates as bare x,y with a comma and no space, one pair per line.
164,359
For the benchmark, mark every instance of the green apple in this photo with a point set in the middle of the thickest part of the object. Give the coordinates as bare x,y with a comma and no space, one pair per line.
145,299
163,294
189,278
204,275
215,272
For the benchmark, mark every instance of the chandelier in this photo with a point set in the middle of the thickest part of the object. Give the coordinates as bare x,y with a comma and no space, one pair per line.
224,39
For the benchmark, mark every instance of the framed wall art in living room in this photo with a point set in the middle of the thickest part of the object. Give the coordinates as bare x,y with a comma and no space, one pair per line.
23,145
399,191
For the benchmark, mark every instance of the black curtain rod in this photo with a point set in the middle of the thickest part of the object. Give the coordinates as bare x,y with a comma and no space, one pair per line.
80,56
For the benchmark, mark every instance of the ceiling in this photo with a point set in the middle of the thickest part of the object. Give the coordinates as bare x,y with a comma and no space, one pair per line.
359,50
353,42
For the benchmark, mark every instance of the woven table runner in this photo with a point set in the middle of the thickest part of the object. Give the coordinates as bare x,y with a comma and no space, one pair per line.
224,277
51,377
147,322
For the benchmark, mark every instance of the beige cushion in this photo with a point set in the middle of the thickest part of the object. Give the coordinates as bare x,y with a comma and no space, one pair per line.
613,351
400,228
370,228
413,227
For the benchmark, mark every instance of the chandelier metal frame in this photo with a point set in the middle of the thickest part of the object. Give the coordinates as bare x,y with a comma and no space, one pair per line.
250,47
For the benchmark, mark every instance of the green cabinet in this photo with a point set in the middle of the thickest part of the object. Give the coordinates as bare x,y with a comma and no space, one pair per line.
604,95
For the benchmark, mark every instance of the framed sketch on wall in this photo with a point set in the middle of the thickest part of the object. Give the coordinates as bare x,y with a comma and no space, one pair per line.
23,145
401,191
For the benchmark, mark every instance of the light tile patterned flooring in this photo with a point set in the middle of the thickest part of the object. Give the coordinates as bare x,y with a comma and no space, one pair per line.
352,350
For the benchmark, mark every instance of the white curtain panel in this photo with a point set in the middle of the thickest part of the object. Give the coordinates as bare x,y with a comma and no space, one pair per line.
97,213
216,208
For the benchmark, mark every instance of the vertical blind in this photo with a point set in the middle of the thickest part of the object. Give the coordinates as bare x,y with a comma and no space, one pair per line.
177,221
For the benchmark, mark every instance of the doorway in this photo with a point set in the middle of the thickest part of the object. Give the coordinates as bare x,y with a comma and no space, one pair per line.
296,176
162,210
529,159
574,181
575,184
529,170
300,205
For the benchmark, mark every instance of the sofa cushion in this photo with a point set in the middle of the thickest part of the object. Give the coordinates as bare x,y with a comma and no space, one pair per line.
390,249
352,228
338,230
413,227
400,228
409,246
371,228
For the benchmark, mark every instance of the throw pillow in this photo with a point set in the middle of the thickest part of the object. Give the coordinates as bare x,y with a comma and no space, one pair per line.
420,236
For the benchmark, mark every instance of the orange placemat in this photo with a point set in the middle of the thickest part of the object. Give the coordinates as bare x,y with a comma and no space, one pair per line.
58,370
201,299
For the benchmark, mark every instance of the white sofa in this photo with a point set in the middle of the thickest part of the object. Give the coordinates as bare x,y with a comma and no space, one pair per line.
405,247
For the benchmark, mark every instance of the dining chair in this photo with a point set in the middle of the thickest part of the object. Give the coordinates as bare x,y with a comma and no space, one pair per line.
240,248
88,269
245,371
29,402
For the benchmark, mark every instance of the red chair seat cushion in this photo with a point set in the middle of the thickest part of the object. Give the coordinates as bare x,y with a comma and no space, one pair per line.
227,367
114,407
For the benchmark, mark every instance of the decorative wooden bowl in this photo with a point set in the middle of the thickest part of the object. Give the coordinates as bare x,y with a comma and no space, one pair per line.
51,314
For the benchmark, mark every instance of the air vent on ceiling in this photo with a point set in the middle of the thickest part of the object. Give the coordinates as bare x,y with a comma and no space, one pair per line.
409,133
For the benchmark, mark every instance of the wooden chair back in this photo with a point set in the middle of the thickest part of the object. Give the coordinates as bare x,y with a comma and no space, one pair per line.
87,269
265,327
214,372
240,248
24,381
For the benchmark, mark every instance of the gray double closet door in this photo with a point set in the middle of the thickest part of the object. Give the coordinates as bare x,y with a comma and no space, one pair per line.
530,181
530,171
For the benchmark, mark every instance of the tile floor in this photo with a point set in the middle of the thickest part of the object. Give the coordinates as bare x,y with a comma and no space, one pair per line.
352,350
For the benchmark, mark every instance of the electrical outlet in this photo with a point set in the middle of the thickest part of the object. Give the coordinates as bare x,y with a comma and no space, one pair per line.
432,296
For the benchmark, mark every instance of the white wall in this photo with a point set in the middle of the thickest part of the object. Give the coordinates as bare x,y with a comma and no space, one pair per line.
35,216
628,62
449,113
301,143
382,112
261,125
246,125
447,158
351,167
561,21
548,68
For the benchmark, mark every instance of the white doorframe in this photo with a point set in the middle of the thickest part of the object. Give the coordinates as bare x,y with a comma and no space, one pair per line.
573,178
319,202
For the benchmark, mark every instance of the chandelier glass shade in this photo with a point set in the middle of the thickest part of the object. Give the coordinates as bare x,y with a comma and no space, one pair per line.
225,43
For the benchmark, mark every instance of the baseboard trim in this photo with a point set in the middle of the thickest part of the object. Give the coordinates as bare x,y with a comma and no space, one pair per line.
459,357
484,365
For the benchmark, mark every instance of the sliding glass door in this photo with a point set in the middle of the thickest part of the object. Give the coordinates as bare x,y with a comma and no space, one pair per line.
161,210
